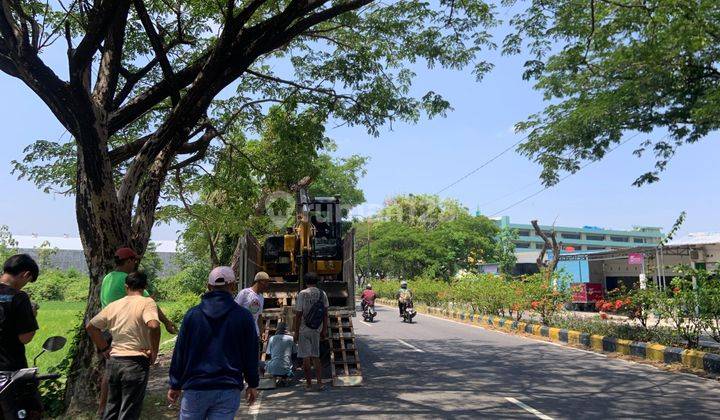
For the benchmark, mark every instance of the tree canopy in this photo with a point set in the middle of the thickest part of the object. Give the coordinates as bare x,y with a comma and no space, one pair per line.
608,68
153,85
216,206
421,235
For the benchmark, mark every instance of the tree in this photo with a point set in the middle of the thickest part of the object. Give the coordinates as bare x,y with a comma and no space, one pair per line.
219,205
612,67
8,244
505,250
151,264
158,98
45,253
549,243
421,235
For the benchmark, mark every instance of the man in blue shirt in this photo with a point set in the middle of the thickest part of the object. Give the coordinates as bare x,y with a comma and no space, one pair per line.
215,351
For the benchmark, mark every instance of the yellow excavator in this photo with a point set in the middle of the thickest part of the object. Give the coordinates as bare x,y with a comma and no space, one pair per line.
314,244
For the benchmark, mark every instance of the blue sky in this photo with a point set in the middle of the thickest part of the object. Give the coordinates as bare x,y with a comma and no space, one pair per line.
425,157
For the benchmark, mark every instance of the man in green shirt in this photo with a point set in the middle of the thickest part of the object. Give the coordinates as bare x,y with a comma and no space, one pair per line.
112,289
113,285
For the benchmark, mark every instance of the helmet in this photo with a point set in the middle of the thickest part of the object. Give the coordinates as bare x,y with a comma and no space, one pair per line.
368,286
403,284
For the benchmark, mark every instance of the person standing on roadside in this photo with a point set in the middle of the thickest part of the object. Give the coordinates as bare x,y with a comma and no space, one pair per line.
134,324
251,298
113,284
311,325
17,328
216,351
113,289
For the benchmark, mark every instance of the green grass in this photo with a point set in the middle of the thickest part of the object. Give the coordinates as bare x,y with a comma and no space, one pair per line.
59,318
54,318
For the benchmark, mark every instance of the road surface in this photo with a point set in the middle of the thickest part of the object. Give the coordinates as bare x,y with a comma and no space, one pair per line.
442,369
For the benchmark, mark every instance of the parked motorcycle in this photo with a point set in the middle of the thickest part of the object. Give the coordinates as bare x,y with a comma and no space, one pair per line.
409,313
369,313
16,386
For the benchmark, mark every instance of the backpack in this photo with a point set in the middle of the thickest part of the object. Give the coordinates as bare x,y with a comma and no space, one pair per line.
315,316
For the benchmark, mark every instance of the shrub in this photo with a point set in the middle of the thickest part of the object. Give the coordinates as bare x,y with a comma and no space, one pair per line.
69,285
547,299
190,280
634,332
181,305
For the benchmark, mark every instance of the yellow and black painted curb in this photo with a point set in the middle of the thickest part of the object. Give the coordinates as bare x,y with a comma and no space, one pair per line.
694,359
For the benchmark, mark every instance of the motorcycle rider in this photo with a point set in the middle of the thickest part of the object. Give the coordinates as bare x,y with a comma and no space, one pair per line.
368,297
17,328
404,297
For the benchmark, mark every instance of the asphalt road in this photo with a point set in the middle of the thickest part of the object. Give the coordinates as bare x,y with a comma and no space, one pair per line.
436,368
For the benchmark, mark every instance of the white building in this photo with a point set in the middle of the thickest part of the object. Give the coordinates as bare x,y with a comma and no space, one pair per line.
70,251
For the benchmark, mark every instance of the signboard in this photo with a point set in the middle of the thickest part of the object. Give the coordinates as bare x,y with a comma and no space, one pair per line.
636,259
586,292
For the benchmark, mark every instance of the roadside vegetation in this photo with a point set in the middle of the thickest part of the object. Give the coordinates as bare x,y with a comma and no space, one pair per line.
681,315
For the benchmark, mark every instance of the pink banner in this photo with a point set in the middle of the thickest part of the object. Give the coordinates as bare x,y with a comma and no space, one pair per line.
635,259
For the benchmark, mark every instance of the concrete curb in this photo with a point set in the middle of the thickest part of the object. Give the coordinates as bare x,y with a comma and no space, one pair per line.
694,359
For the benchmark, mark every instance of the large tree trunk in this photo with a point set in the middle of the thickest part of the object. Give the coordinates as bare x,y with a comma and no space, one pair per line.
103,228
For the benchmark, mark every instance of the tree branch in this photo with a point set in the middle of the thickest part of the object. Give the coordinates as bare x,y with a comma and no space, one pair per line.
157,45
110,63
19,59
322,16
139,105
548,243
100,19
181,194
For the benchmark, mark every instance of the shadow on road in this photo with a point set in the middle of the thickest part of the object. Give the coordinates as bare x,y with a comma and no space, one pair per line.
470,377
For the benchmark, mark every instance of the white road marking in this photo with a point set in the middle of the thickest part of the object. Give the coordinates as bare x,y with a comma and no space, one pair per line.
410,345
529,409
535,340
254,409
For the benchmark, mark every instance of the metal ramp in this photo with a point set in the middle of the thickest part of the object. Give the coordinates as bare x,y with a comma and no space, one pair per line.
344,354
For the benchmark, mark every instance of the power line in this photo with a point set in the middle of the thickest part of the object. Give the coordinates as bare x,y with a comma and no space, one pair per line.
467,175
561,179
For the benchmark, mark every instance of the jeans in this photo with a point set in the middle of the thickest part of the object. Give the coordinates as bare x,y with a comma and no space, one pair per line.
127,380
210,404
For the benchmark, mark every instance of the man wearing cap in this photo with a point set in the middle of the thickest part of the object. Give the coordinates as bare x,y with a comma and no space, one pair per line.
215,352
251,298
113,289
113,284
135,327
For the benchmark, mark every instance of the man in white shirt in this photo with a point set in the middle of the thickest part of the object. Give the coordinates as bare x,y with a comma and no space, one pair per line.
252,299
311,325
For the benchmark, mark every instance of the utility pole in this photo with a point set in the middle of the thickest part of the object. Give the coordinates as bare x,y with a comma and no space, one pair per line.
368,247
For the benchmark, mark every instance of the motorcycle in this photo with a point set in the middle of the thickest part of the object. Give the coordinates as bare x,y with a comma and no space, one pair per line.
16,386
369,312
409,313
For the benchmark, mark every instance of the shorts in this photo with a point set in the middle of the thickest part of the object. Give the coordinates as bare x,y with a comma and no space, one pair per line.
308,343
